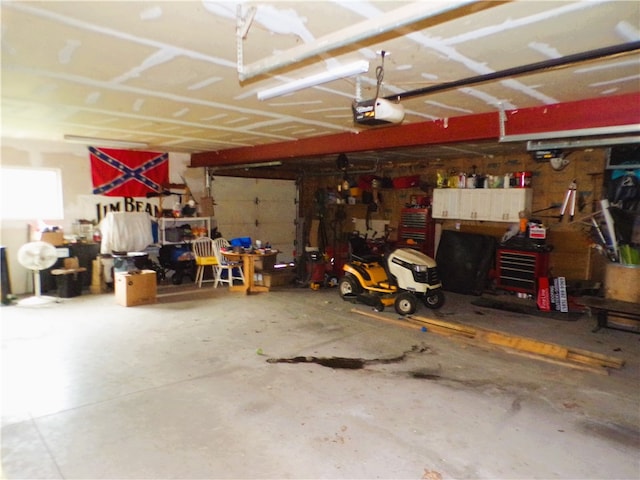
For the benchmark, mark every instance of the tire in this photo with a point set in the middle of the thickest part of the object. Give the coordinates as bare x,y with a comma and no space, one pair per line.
406,303
348,286
434,299
330,281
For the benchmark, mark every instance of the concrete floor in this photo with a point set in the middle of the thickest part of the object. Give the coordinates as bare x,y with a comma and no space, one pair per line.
183,389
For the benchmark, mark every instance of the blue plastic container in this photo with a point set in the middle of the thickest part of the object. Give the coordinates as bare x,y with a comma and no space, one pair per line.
244,242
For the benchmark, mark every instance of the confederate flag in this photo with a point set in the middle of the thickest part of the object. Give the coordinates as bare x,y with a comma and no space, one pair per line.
127,173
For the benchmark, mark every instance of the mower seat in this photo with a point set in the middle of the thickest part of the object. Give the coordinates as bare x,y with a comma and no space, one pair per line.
367,258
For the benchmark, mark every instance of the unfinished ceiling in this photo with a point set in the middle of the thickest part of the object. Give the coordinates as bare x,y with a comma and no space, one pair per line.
168,74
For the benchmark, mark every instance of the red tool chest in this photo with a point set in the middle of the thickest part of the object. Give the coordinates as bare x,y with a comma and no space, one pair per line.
417,225
519,270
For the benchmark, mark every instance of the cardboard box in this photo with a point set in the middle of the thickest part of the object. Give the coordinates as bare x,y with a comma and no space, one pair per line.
279,277
54,238
136,288
207,207
621,282
265,264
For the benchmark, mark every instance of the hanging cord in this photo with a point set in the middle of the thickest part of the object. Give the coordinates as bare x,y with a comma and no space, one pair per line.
380,74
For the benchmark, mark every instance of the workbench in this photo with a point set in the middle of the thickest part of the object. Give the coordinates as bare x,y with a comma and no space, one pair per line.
605,306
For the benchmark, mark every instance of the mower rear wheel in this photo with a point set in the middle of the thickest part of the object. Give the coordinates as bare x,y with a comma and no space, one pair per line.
348,286
434,299
406,303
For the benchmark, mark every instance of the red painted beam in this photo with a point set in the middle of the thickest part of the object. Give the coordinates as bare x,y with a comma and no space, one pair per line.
583,114
593,113
473,127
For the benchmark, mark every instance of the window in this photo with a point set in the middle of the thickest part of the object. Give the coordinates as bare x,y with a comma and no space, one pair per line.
31,193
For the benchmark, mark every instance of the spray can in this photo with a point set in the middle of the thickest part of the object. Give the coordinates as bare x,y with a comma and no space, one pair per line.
507,180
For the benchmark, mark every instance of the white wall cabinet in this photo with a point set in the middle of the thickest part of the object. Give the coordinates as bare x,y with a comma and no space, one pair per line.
446,203
507,203
475,204
493,204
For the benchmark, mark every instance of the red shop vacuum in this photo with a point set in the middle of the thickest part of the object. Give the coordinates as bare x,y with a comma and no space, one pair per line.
319,270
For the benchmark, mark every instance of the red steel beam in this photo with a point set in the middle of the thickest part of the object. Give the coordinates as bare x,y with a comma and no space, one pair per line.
582,114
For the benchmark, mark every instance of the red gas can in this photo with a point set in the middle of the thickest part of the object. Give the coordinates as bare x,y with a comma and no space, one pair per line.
523,179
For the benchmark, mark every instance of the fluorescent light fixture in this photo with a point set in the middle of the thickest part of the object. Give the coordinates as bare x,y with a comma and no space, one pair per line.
245,165
533,146
580,132
349,70
104,142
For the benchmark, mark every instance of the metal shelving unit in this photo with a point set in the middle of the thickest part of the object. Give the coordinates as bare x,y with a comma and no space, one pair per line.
169,229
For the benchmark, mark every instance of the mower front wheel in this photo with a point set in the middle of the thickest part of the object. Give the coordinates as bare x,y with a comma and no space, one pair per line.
349,286
406,303
434,299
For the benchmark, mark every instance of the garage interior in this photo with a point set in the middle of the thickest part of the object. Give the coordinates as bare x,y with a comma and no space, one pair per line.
498,133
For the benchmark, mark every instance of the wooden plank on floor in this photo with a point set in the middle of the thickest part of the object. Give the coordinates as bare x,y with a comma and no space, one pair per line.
587,368
523,344
392,321
598,358
534,346
560,354
456,328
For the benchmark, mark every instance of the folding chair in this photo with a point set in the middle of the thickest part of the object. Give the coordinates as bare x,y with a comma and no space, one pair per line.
233,269
203,249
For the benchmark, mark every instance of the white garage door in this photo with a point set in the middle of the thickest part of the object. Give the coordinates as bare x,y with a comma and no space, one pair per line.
258,208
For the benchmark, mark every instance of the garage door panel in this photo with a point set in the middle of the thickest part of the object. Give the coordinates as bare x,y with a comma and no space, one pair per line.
235,210
275,211
276,190
235,230
234,188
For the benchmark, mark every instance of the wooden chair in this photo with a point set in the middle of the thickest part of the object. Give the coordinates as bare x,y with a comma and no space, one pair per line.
203,249
67,278
233,269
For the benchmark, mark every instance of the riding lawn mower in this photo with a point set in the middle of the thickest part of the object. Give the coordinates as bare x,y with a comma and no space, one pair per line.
400,278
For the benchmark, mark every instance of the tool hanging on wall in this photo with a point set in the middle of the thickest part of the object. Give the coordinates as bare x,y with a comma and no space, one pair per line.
570,201
604,231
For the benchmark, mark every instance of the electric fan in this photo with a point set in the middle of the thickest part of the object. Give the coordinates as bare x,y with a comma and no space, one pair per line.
37,256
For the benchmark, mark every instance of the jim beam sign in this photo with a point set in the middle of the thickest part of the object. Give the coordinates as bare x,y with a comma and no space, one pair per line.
97,206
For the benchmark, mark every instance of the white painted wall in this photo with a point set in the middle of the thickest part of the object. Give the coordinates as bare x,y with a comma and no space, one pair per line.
73,162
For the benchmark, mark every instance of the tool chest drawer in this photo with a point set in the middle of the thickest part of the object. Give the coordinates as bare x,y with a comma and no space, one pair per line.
519,270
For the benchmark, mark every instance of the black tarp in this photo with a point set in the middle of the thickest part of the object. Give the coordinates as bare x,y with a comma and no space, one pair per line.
464,261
